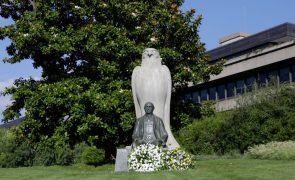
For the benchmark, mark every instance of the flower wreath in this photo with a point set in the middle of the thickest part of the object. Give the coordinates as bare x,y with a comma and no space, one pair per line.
146,158
177,159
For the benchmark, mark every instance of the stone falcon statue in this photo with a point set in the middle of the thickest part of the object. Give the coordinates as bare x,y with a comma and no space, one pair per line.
151,82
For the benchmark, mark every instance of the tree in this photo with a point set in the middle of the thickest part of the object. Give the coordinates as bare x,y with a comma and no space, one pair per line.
87,50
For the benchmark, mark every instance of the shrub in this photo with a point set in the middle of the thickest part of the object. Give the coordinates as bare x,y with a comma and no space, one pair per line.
207,109
93,156
14,153
53,151
54,156
263,116
64,156
184,112
268,117
273,150
44,157
200,136
78,151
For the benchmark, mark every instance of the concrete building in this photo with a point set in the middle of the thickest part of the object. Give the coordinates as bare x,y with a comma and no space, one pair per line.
254,59
12,123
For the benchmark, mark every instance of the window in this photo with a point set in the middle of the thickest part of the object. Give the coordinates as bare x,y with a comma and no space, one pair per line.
293,73
204,95
262,79
240,86
196,97
284,75
221,91
230,89
250,82
273,77
212,93
188,97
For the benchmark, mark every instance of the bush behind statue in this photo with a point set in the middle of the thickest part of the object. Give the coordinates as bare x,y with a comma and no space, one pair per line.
268,117
264,115
199,137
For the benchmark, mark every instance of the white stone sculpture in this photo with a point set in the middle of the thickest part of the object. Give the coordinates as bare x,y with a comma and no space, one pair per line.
151,82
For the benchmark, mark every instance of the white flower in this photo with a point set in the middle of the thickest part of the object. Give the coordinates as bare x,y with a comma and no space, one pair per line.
149,157
177,159
145,158
137,27
77,7
134,14
25,35
153,39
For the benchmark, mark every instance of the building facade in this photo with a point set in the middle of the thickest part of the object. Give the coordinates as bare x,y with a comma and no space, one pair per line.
250,61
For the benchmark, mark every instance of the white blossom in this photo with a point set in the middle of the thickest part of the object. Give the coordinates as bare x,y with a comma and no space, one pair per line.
148,157
134,14
77,7
153,39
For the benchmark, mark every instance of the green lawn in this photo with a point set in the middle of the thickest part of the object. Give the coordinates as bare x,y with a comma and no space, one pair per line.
205,169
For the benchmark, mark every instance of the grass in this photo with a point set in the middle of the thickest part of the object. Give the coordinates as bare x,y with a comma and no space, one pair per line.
205,169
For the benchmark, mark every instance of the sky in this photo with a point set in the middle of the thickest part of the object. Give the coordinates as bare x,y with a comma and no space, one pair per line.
220,18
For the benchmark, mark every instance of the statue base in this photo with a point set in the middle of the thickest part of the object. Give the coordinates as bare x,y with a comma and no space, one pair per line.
121,164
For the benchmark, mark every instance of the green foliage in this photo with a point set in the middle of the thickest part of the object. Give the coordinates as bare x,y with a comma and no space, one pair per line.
183,113
87,51
93,156
78,151
268,117
207,109
14,153
47,154
54,150
263,116
200,136
273,150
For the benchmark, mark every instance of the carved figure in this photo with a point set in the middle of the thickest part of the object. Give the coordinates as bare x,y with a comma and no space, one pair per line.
151,82
149,129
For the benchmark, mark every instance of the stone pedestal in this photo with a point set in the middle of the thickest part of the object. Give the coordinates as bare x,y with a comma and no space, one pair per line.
121,159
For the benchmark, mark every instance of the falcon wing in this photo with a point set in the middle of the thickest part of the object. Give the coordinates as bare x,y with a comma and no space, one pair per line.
135,99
